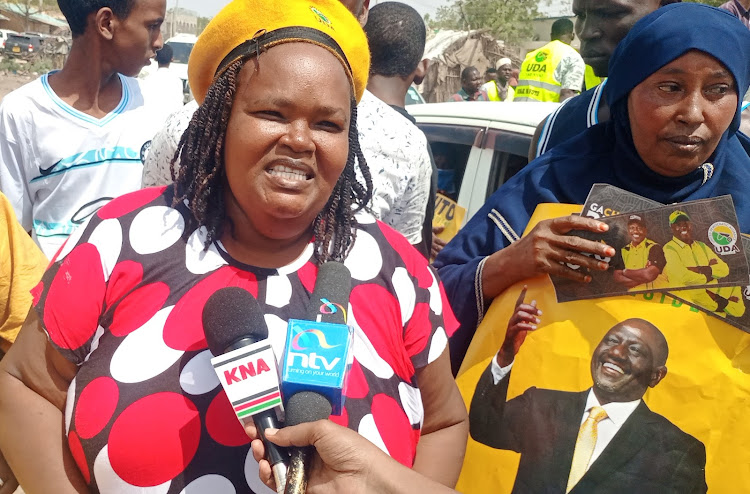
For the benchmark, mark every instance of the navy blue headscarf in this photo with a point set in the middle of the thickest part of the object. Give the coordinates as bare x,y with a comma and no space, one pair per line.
605,153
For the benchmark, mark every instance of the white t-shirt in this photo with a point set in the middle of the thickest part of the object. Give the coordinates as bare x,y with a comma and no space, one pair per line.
58,166
399,162
165,87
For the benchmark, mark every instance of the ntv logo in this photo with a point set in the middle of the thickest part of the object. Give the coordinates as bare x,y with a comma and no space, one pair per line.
311,360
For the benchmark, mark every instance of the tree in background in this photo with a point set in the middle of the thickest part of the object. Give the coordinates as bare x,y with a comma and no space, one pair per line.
28,8
509,20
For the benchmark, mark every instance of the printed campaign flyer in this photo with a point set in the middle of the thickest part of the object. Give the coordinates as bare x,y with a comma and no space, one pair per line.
607,200
692,246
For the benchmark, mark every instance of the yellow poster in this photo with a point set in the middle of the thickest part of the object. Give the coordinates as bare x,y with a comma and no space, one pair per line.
449,215
698,407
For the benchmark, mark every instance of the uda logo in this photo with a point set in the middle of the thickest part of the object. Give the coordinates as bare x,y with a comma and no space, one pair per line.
724,237
541,56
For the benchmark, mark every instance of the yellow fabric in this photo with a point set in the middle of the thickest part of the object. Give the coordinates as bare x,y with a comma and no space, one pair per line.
536,81
21,267
636,257
242,20
591,79
585,444
705,392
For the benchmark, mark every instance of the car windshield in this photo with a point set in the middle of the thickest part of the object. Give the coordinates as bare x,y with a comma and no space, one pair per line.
181,51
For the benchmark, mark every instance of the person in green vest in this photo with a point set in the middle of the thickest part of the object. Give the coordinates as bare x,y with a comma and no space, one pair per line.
555,71
498,88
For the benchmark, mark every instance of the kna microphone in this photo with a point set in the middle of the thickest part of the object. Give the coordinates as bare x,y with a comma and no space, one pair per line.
244,361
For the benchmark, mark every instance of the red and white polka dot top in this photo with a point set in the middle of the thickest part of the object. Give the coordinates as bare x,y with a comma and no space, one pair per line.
145,413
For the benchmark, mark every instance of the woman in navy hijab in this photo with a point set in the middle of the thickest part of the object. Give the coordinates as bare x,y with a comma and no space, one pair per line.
674,89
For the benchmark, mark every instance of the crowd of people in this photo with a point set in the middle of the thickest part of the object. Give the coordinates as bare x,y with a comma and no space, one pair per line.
125,210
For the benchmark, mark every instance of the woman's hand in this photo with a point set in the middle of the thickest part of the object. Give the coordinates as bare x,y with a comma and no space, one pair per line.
547,250
346,462
343,461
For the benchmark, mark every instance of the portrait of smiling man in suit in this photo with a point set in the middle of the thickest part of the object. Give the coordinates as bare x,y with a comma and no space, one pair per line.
601,440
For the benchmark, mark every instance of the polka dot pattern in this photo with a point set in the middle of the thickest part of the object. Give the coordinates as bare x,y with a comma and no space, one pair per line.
391,422
279,291
155,229
214,484
95,407
72,241
198,260
184,328
74,300
144,354
198,376
222,423
146,383
138,307
154,439
108,481
128,203
364,261
107,237
252,476
74,443
438,345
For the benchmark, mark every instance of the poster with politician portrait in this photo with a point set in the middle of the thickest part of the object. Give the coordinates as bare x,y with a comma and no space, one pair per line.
673,383
692,246
732,304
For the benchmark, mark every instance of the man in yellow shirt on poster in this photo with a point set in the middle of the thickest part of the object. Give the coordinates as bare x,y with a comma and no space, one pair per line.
692,262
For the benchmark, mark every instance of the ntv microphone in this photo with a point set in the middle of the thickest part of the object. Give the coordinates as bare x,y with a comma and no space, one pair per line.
317,358
244,361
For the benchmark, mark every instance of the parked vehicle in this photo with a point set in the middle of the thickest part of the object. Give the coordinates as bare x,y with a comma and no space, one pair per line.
482,144
23,45
4,33
413,97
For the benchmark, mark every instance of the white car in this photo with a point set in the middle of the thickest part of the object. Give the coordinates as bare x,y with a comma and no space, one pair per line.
480,144
4,33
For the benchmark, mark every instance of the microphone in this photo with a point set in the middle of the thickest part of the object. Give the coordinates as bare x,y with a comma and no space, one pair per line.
316,361
305,406
244,361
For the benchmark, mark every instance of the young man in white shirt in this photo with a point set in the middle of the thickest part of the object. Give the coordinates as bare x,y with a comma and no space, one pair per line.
396,151
74,139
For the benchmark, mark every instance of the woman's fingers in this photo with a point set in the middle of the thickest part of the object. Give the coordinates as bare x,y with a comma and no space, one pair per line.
566,224
521,296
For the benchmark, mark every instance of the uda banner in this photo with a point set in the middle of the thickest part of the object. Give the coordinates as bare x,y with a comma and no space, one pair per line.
662,388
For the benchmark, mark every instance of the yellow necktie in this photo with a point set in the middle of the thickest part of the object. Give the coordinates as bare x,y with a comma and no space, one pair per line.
585,445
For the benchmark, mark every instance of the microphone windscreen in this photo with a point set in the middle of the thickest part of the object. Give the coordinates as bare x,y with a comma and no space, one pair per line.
332,289
307,406
232,314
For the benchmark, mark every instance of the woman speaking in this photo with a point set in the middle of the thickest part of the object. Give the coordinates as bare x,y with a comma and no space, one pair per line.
109,387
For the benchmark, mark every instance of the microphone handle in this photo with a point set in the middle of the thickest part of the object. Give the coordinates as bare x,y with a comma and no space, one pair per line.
299,464
276,455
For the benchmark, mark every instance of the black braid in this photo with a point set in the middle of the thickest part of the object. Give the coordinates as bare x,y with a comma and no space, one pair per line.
200,178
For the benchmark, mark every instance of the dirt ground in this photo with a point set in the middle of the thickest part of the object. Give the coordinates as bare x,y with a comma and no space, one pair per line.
9,82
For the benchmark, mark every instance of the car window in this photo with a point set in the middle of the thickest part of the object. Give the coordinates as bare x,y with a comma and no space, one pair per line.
181,51
510,156
413,97
451,145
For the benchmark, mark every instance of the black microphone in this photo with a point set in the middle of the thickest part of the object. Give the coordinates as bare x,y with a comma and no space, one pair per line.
315,367
305,406
233,323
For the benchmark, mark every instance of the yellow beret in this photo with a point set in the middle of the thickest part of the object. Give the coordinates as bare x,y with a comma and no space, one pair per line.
245,27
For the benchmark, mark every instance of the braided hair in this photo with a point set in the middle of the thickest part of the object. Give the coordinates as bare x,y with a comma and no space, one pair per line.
200,179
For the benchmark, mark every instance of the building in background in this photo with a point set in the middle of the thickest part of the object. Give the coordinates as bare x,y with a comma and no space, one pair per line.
22,18
179,21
